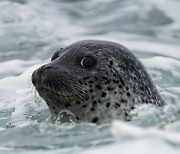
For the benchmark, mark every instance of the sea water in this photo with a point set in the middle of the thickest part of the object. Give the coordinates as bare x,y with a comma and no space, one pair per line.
32,30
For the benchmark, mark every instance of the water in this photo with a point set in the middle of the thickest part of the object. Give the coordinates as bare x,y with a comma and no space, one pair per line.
30,31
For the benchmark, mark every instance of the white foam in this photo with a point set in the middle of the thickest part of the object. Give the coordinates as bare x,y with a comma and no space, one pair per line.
10,85
122,130
132,139
163,63
143,146
13,67
27,103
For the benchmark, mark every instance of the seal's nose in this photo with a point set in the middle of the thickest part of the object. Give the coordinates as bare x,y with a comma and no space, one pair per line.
38,73
35,77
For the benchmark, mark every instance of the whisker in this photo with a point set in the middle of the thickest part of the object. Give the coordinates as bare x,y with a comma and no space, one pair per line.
64,91
76,89
80,95
84,91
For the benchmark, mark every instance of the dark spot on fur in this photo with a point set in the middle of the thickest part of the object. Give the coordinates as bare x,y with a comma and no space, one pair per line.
141,88
103,94
109,66
113,69
94,103
132,108
77,102
87,98
92,109
122,67
108,105
116,81
126,114
84,106
90,90
131,70
134,89
135,78
116,71
53,108
120,86
80,91
121,81
123,101
95,120
128,94
108,81
80,82
146,87
110,62
85,78
110,88
117,105
154,98
148,92
90,81
104,78
92,97
115,75
98,87
67,105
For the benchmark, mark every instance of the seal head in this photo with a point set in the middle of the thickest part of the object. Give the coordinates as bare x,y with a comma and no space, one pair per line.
97,81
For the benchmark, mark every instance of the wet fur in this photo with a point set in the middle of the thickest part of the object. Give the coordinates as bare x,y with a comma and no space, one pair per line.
108,91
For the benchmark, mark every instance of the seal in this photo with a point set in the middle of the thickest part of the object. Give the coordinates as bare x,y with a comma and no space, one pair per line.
97,81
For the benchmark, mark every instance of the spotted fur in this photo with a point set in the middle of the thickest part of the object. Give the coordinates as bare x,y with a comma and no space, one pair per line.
109,90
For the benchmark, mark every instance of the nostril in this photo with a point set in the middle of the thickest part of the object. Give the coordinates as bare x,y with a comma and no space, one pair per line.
44,68
40,74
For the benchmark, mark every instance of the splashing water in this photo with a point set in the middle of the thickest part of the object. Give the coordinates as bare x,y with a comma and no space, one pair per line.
32,30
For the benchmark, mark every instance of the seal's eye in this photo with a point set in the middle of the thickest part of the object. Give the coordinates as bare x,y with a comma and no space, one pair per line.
88,62
56,55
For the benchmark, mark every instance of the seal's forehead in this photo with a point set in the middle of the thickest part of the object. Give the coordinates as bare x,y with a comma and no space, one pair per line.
84,47
96,47
93,43
98,44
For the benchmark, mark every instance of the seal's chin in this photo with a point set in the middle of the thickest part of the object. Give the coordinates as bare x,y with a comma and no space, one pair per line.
62,104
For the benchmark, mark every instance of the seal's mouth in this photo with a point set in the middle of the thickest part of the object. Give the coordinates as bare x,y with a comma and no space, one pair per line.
62,95
59,89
